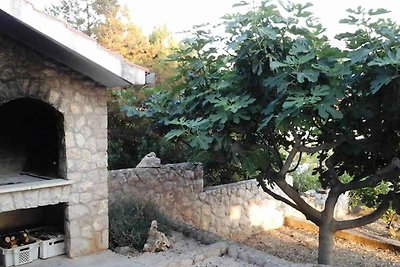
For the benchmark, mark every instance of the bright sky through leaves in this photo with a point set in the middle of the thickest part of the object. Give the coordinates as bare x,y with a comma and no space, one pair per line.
181,15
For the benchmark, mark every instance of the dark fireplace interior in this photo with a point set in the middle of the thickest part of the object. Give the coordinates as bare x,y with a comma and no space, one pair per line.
27,219
31,142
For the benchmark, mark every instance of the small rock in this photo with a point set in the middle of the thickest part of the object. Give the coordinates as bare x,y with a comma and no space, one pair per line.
149,161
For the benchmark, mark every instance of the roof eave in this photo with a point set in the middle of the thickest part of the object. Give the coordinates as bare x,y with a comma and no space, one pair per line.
55,39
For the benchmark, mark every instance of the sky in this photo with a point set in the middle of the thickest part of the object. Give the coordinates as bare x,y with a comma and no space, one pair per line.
181,15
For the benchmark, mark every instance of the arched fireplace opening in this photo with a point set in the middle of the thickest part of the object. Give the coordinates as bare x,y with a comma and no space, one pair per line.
31,142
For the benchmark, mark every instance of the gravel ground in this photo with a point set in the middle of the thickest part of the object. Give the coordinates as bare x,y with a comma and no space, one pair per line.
378,228
301,247
223,261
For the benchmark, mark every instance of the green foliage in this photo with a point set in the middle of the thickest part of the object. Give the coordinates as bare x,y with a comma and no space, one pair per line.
84,15
110,24
268,73
305,181
370,196
272,88
274,83
130,139
392,219
130,222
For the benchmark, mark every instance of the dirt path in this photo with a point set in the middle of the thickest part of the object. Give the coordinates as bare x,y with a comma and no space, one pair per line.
301,246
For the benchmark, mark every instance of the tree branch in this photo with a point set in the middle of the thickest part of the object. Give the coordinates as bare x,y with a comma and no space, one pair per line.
372,180
331,169
370,218
277,155
297,164
302,206
264,187
288,162
330,203
325,146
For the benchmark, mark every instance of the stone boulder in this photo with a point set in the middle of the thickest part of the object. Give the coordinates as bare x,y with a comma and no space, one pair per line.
149,161
156,240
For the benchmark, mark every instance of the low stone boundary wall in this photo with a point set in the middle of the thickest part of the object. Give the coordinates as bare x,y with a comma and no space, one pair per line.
239,209
231,210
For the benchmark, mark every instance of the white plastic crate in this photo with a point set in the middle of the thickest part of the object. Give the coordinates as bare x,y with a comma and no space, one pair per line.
52,247
19,255
51,241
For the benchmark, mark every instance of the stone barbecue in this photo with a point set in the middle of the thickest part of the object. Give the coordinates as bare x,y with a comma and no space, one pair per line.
53,121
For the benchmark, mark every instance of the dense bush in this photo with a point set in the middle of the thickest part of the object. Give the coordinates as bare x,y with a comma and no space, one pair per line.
130,139
130,222
305,181
369,196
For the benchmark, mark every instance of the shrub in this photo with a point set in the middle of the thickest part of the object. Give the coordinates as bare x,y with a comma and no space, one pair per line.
369,196
131,138
305,181
130,221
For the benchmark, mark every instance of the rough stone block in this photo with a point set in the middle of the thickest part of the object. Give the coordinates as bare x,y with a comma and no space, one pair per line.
86,186
100,191
31,198
87,231
18,200
73,229
149,161
6,203
77,211
85,198
100,223
44,197
55,195
65,194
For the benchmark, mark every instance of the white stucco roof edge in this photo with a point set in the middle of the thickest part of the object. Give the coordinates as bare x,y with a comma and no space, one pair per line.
71,47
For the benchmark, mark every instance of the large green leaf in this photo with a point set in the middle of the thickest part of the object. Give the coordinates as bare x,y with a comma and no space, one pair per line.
269,32
264,122
326,111
310,75
305,58
276,64
360,55
174,133
392,58
222,117
379,11
278,81
292,101
381,80
300,46
201,140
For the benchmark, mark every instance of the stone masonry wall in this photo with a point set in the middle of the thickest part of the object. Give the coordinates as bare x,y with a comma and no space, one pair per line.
27,74
174,188
177,189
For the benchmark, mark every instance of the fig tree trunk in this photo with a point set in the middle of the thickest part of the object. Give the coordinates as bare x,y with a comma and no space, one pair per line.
325,248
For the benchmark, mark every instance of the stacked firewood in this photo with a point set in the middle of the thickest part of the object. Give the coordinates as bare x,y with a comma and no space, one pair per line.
15,240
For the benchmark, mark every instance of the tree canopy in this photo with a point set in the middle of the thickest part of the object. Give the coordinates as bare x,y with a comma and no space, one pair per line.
273,87
111,25
84,15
